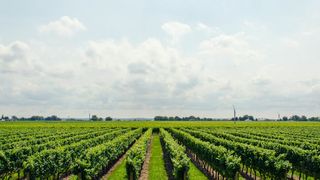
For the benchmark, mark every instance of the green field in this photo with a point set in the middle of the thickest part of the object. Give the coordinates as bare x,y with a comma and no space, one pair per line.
157,168
88,150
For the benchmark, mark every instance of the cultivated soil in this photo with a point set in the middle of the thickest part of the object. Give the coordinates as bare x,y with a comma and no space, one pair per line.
145,168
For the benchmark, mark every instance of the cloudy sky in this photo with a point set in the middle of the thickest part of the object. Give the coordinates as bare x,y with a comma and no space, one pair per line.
171,57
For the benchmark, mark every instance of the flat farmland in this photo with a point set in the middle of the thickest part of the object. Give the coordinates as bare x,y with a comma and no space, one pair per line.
159,150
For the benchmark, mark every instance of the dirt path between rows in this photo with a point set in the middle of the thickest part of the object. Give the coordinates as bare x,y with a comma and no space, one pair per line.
119,161
145,168
200,165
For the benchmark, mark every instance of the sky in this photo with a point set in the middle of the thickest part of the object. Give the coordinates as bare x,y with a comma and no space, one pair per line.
145,58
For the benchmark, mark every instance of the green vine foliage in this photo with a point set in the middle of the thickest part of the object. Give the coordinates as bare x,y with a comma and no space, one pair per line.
178,157
136,155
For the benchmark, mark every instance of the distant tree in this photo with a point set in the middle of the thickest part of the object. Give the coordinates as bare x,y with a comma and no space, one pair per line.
246,117
14,118
295,118
303,118
314,119
157,118
108,118
161,118
3,117
94,118
52,118
36,118
23,119
284,118
191,118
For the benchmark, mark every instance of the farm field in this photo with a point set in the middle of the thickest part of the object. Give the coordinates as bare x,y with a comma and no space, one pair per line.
159,150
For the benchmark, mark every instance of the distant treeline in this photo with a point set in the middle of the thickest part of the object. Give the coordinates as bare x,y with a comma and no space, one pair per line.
177,118
96,118
285,118
32,118
299,118
161,118
193,118
240,118
49,118
244,118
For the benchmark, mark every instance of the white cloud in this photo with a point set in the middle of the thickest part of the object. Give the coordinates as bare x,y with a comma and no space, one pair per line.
201,26
111,74
120,77
261,81
14,57
65,26
235,48
253,26
225,42
176,29
14,51
208,29
290,43
148,78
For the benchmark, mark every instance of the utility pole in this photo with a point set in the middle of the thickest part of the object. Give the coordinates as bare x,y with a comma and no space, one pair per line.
89,116
278,117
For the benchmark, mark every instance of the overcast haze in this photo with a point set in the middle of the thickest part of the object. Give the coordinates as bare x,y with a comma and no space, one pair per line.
170,57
